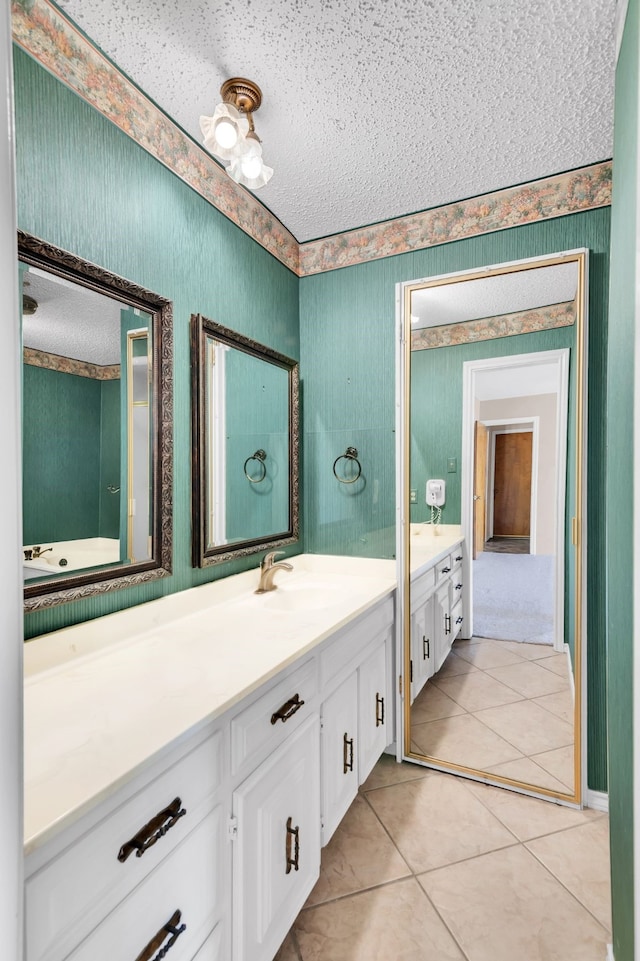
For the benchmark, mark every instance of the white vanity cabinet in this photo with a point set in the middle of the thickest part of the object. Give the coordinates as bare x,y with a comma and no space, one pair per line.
276,857
208,849
437,613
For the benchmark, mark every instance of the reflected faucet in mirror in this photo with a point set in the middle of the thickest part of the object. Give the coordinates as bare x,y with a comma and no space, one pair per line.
268,568
33,553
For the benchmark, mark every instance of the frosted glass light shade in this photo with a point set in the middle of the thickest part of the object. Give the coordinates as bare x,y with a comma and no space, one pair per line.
224,133
250,170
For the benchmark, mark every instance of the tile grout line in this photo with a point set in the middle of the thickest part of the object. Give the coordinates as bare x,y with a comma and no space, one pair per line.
567,889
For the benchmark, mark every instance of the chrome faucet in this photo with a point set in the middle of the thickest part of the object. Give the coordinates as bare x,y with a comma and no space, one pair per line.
268,568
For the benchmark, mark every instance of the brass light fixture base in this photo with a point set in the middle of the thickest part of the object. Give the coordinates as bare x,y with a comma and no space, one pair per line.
243,94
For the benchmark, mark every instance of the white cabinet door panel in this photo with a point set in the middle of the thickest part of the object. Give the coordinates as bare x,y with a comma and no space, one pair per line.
339,745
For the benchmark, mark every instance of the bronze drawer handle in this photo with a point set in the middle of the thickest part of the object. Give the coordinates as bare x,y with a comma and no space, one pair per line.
155,829
447,624
459,620
288,709
292,832
347,754
458,558
380,713
426,652
458,587
171,928
445,570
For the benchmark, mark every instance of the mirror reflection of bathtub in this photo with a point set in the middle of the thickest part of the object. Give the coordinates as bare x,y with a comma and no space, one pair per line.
63,557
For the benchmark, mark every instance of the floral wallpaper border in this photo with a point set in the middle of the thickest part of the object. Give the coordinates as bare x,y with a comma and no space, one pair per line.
48,36
556,196
489,328
69,365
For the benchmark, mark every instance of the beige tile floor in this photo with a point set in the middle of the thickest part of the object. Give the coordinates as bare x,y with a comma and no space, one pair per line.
431,867
501,707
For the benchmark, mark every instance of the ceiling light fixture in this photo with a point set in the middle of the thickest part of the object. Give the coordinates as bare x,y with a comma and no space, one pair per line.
230,134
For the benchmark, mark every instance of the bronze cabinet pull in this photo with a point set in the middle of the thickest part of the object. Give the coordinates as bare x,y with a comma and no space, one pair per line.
447,624
458,587
347,754
288,709
425,647
292,832
170,928
155,829
458,558
379,713
459,620
445,570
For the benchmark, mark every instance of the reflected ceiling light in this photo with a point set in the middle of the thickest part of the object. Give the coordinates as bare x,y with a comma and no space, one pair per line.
230,134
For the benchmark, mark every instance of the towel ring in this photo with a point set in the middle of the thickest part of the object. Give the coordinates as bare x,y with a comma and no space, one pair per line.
260,456
351,453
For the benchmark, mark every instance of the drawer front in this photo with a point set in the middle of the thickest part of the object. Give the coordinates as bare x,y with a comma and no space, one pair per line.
422,586
72,893
258,730
187,882
457,618
444,568
457,556
346,650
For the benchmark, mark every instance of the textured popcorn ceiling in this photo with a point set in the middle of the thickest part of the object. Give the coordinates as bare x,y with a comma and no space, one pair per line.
71,321
457,302
374,109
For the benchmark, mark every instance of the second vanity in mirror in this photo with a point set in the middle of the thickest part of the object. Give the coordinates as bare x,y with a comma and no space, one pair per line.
245,417
494,388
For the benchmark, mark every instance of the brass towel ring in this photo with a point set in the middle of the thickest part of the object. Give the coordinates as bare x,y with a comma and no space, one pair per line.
260,456
351,453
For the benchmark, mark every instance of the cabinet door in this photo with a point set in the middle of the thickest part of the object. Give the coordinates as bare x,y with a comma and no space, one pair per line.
339,744
443,628
276,857
373,710
422,646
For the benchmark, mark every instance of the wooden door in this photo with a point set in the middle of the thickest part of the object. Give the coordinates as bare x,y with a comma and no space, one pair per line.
481,436
512,485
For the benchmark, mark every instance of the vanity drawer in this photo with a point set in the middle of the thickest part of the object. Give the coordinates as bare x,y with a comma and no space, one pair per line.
421,587
262,726
187,882
76,889
444,568
456,556
349,646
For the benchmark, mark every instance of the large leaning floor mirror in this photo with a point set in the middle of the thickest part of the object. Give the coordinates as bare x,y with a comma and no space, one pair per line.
492,554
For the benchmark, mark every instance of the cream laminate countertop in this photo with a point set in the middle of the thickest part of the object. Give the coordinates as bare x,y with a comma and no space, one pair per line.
427,543
104,698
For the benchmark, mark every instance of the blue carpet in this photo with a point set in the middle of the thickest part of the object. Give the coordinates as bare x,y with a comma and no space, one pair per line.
513,597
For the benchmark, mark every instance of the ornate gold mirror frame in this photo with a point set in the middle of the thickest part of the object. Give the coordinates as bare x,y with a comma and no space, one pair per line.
575,544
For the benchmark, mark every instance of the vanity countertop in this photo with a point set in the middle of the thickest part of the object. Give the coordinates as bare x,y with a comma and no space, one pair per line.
104,697
427,543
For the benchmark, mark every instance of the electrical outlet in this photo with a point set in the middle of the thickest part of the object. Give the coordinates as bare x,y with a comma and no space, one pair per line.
414,497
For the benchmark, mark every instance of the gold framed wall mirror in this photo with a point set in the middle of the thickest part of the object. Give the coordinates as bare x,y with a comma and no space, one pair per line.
245,445
491,557
97,428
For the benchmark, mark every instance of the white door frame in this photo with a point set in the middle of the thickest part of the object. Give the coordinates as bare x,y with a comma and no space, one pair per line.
470,369
514,425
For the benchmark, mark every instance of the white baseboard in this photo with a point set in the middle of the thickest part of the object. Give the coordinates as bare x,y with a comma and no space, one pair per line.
599,801
610,956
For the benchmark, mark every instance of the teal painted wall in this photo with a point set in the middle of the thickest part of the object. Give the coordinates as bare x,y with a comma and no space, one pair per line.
347,356
61,456
88,188
618,502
